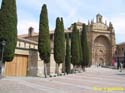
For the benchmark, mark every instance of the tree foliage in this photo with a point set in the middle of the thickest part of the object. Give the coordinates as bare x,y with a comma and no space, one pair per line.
75,46
85,48
80,49
68,55
8,28
59,42
44,37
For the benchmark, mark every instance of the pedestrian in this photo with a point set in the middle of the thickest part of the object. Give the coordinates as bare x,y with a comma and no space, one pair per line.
121,66
118,63
113,62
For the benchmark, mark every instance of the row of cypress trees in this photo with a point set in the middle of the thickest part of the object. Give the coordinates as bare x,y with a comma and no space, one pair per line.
77,53
79,48
44,40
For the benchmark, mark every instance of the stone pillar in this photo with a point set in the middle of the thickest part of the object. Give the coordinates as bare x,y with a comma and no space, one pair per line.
33,62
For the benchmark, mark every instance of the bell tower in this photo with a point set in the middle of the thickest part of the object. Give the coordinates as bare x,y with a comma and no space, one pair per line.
98,18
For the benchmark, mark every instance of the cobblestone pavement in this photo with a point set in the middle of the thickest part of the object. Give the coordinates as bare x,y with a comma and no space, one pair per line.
94,80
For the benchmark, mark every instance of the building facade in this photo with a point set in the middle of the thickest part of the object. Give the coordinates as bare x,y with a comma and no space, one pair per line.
120,53
101,41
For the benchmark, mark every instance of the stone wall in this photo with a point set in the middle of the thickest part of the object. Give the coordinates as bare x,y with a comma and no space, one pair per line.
33,63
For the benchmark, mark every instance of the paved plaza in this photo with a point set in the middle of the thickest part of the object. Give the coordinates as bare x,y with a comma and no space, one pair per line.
94,80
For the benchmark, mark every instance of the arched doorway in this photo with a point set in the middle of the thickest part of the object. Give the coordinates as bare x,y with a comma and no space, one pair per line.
101,61
101,50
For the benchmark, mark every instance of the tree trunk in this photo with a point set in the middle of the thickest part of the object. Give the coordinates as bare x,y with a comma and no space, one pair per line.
83,68
45,70
74,68
63,67
48,68
58,69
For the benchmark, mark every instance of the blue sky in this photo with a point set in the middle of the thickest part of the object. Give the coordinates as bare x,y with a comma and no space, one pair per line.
72,10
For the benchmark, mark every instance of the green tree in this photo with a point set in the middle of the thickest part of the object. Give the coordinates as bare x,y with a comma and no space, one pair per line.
59,43
68,55
85,48
80,49
63,44
75,47
8,28
44,38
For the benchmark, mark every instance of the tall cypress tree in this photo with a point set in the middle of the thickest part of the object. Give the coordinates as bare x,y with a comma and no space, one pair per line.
80,49
74,46
8,28
59,43
44,38
63,44
85,48
68,55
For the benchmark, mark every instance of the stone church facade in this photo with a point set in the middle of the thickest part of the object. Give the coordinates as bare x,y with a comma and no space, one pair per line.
101,41
101,38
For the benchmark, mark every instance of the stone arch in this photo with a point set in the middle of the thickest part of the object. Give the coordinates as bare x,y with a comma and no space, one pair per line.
101,50
101,61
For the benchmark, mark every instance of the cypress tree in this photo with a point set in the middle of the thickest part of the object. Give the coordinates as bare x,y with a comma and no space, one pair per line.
59,43
75,47
8,28
44,38
85,48
63,45
80,49
68,55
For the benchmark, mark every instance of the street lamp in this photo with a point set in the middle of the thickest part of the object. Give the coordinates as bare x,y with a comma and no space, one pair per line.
3,43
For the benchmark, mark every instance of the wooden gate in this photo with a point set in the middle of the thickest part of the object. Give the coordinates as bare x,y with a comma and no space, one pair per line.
18,67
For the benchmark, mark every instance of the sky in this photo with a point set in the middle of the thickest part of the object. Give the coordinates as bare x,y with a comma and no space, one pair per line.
28,12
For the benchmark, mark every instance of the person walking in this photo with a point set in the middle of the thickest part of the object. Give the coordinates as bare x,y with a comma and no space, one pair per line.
121,66
118,63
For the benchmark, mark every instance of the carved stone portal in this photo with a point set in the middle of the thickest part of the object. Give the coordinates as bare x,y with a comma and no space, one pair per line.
101,50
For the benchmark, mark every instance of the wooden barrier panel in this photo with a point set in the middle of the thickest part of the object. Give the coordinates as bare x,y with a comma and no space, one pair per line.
18,67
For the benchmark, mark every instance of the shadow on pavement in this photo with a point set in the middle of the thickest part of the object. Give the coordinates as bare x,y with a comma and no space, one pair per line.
121,74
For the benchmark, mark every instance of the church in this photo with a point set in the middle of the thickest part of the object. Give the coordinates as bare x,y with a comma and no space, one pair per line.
101,38
101,41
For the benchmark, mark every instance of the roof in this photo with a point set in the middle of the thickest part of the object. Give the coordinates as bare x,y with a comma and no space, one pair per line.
26,35
99,14
36,34
79,23
27,40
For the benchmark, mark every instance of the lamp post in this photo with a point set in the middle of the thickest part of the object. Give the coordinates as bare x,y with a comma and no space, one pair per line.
3,43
